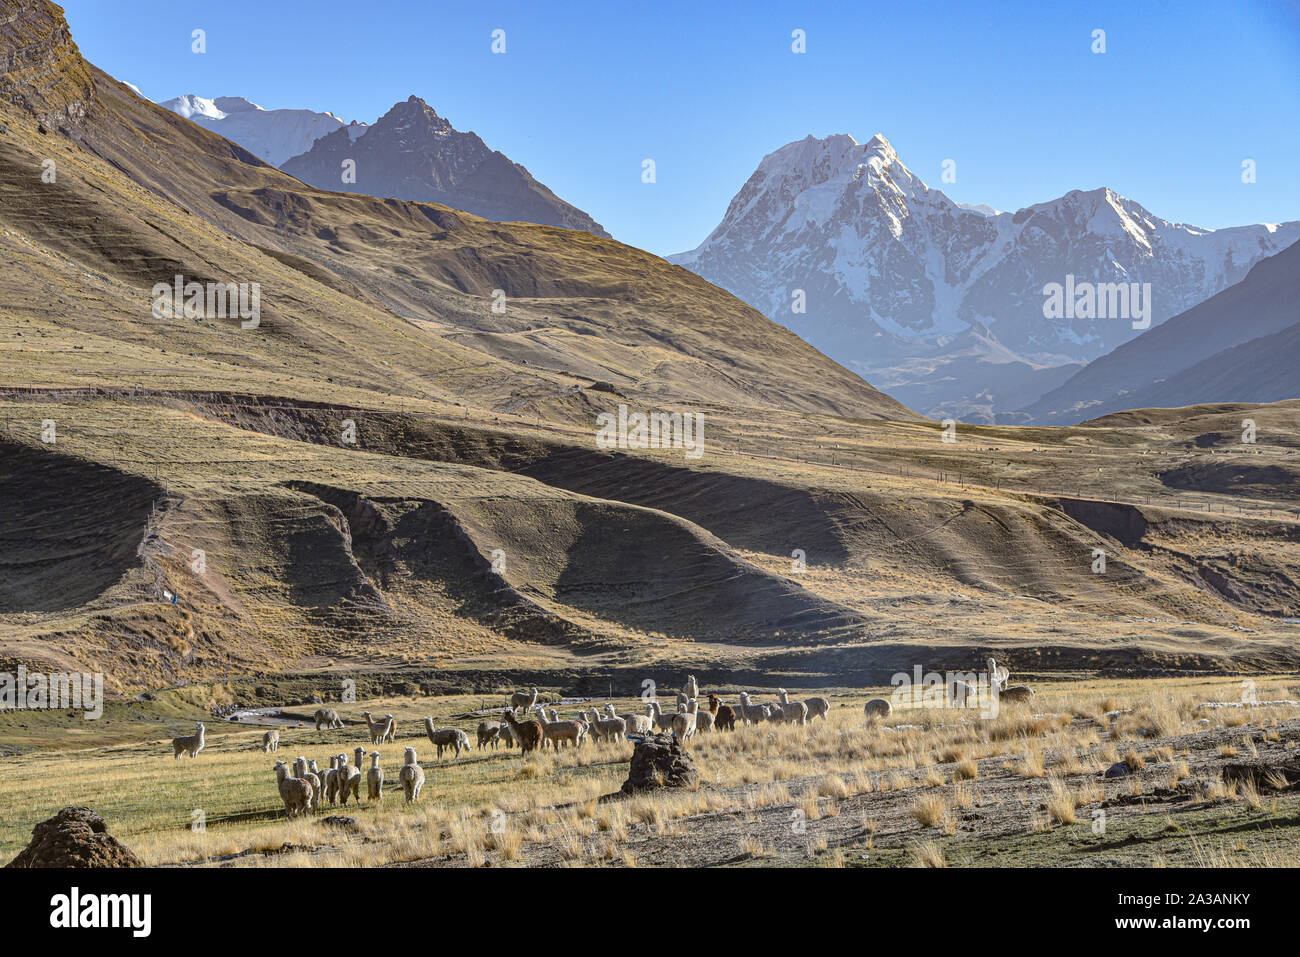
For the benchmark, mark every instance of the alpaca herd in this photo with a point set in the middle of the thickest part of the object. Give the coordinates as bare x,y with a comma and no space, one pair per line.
304,787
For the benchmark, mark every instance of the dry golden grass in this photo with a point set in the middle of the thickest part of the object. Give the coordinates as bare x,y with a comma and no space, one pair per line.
927,854
929,809
551,812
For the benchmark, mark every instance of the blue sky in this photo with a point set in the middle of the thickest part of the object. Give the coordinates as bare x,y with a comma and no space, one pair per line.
586,91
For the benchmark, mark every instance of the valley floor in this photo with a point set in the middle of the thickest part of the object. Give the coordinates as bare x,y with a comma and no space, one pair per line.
925,787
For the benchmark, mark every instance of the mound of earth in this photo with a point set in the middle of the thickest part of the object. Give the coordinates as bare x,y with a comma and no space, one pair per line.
660,762
75,837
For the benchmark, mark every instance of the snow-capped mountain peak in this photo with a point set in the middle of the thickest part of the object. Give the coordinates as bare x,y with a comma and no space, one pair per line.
873,250
842,243
274,135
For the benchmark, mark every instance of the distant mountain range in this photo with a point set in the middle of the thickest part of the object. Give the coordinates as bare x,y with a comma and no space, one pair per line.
410,153
274,135
1241,345
943,303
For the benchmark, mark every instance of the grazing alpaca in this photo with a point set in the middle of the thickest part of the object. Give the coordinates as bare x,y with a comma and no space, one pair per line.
817,706
571,732
377,728
692,689
636,723
390,729
489,732
271,742
684,721
527,732
523,700
332,780
447,737
375,779
752,713
878,708
327,718
412,777
300,770
349,778
664,722
508,735
724,715
795,712
295,792
1017,694
703,719
606,729
998,675
190,744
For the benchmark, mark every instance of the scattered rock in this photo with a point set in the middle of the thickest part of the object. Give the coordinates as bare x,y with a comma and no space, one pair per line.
345,821
75,837
1119,769
660,762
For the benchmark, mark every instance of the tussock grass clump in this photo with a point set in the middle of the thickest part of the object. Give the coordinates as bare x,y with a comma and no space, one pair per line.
929,809
927,854
1062,803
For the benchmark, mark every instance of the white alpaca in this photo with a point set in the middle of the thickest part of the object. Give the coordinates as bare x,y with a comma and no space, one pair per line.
332,780
692,688
752,713
300,770
375,779
349,777
817,706
684,721
608,729
271,742
295,792
411,777
878,708
571,732
664,722
703,719
998,675
190,744
390,728
636,723
795,712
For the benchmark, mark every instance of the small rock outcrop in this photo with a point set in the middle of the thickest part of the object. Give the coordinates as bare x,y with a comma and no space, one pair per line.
660,762
75,837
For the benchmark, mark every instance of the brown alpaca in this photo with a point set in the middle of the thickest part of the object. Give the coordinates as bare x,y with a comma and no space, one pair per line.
724,716
529,732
